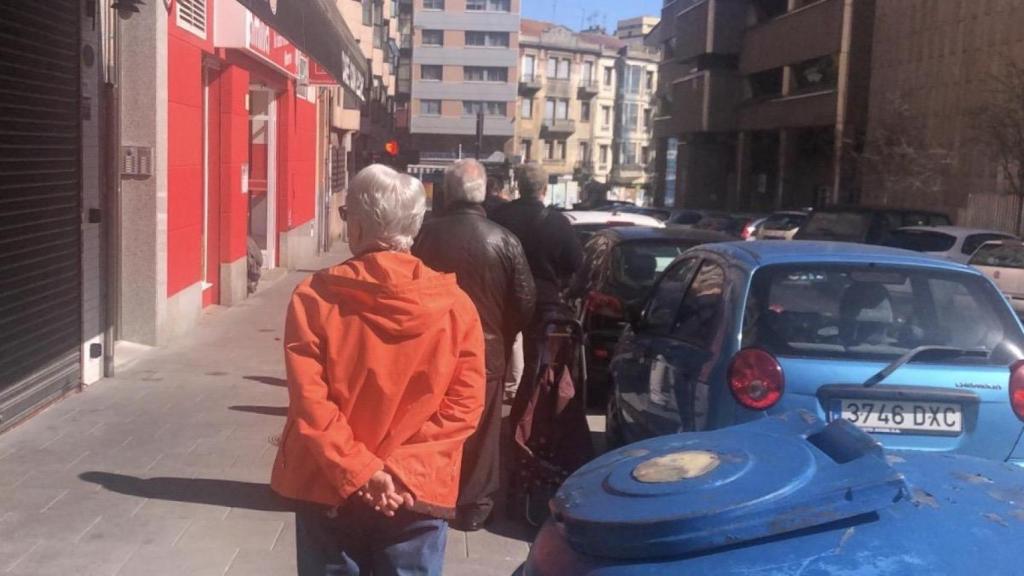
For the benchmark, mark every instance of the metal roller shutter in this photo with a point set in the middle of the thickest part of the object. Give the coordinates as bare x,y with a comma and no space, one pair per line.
40,203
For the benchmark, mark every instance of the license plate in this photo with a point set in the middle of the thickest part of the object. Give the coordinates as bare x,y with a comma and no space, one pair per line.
901,417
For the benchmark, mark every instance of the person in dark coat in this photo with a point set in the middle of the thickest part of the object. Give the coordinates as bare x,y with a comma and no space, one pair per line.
495,199
554,253
491,267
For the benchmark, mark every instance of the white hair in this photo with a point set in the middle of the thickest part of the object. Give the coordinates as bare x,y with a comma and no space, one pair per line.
465,181
388,208
533,180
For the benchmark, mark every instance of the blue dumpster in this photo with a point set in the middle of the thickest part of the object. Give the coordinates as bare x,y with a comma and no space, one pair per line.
783,495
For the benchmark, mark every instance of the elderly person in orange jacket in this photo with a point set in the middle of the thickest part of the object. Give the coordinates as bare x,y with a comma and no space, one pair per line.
385,361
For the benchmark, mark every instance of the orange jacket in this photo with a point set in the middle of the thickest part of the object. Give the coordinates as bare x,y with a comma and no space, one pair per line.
385,361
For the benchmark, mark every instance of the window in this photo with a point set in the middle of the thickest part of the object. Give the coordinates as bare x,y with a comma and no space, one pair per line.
556,108
485,74
920,240
192,16
529,62
604,155
814,75
588,72
1001,255
563,68
489,5
430,107
645,155
525,148
647,118
552,67
631,79
609,75
660,315
584,111
700,313
367,13
972,242
526,108
488,39
433,37
629,116
433,4
555,150
627,153
584,153
474,107
854,311
606,116
431,72
649,80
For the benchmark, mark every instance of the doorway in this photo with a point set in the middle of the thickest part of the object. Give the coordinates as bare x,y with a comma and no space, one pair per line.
210,251
263,172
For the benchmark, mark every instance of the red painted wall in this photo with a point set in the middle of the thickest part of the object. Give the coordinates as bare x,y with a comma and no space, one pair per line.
297,158
184,154
234,153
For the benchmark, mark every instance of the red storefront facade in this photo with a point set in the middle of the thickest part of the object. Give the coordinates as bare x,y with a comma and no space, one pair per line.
241,151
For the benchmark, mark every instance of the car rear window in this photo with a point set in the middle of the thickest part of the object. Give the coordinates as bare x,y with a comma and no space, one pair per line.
785,222
920,240
687,218
638,264
851,226
972,242
999,256
869,312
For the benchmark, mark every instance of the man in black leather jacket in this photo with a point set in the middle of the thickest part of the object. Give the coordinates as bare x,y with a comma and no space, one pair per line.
554,253
491,268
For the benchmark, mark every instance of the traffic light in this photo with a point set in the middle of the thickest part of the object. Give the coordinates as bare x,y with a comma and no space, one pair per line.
391,147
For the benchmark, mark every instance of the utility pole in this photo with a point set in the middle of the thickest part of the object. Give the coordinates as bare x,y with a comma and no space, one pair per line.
479,133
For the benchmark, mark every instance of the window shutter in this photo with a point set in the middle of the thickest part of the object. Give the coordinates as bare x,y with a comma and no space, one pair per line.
192,16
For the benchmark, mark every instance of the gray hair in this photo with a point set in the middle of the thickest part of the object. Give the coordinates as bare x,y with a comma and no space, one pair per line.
533,180
465,181
388,207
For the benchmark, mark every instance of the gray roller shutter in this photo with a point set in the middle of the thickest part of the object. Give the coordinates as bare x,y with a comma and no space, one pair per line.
40,204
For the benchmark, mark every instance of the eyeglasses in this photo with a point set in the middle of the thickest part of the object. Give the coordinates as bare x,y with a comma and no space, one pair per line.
343,212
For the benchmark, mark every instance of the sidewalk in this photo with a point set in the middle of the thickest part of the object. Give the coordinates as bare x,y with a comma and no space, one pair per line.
163,469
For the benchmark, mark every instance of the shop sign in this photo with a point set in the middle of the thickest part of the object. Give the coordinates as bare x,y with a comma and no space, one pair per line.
270,46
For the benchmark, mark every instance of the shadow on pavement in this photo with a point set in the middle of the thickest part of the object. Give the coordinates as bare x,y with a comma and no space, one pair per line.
227,493
268,380
264,410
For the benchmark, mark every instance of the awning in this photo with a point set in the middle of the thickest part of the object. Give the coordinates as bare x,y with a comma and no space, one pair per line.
317,29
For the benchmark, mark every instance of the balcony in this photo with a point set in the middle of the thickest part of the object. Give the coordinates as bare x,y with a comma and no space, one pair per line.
589,88
704,102
557,127
803,111
692,30
802,34
628,172
530,83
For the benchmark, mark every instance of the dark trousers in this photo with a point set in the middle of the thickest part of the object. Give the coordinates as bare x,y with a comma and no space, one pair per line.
481,465
360,541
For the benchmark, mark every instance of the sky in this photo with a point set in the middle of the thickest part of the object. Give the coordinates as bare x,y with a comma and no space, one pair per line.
573,13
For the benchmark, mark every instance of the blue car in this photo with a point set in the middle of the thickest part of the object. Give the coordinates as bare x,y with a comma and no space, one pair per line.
923,353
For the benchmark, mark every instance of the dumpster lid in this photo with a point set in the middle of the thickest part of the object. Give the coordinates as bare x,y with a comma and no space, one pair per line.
689,493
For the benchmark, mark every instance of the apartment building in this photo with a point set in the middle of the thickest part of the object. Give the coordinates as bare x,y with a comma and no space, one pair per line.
634,31
464,56
760,101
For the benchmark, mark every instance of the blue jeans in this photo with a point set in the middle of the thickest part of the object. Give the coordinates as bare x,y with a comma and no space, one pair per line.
361,541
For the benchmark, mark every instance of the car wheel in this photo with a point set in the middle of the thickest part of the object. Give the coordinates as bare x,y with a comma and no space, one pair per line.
613,425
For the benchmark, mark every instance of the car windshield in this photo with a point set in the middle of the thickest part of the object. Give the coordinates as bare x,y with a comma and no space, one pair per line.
837,225
870,312
921,240
637,264
784,222
999,256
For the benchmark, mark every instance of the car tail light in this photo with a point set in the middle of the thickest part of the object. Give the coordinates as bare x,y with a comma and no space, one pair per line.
1017,388
605,305
757,381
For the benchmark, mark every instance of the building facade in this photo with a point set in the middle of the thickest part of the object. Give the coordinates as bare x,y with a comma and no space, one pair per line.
937,63
634,31
463,58
585,104
760,101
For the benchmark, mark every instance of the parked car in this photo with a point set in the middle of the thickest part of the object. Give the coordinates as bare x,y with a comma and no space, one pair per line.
1003,262
782,225
588,222
950,242
864,224
740,226
780,497
620,266
678,217
917,350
